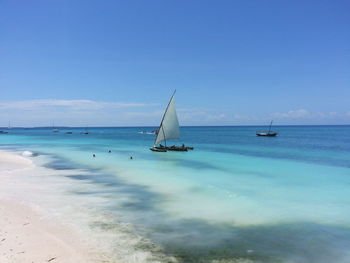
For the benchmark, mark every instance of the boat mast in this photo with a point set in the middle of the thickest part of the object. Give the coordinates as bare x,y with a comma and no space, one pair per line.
161,123
270,126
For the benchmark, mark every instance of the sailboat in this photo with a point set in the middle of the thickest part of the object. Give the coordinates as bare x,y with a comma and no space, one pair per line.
86,131
268,133
53,128
168,129
5,132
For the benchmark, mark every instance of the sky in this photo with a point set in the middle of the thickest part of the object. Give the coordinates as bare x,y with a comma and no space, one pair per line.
116,63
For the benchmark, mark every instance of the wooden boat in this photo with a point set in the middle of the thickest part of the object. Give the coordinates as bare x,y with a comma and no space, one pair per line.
158,149
268,133
177,148
168,129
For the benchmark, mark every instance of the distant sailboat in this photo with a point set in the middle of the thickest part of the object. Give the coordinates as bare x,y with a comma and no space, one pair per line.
53,128
5,132
168,129
268,133
86,131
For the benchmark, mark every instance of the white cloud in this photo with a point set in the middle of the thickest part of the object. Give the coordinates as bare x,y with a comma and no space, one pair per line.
192,116
292,114
302,116
76,113
71,104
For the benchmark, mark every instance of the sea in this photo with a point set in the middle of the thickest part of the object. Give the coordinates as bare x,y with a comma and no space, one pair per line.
235,198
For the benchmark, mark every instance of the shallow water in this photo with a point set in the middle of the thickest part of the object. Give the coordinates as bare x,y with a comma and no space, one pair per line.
236,196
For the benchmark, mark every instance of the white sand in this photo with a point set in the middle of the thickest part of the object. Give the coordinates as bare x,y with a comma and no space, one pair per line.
26,235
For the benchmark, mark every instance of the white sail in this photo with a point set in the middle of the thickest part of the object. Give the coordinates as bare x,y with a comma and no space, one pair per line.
169,127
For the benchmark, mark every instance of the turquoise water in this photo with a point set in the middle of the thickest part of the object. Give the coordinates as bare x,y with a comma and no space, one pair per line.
236,196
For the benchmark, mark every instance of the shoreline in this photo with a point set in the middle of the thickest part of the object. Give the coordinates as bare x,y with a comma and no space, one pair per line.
27,233
66,225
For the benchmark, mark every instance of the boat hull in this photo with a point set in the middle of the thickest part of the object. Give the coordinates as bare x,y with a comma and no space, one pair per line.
158,149
177,148
267,134
171,148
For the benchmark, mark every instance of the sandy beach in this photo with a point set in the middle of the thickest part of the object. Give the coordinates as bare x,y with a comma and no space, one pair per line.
26,233
43,218
26,237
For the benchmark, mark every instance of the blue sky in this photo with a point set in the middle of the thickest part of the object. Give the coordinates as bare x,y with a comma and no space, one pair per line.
115,63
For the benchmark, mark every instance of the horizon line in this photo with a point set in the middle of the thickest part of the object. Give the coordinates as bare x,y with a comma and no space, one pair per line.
152,126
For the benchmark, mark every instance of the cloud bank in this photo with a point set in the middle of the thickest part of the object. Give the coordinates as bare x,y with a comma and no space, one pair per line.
72,104
76,113
101,113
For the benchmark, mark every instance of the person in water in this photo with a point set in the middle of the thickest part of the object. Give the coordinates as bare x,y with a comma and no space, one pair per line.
109,151
130,157
93,155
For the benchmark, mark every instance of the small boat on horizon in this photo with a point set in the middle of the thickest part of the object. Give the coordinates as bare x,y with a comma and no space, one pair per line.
86,131
53,128
169,129
8,128
268,133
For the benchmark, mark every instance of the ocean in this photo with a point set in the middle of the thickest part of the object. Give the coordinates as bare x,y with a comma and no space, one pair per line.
235,198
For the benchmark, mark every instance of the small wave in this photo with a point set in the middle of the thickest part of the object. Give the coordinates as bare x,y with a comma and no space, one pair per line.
29,154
